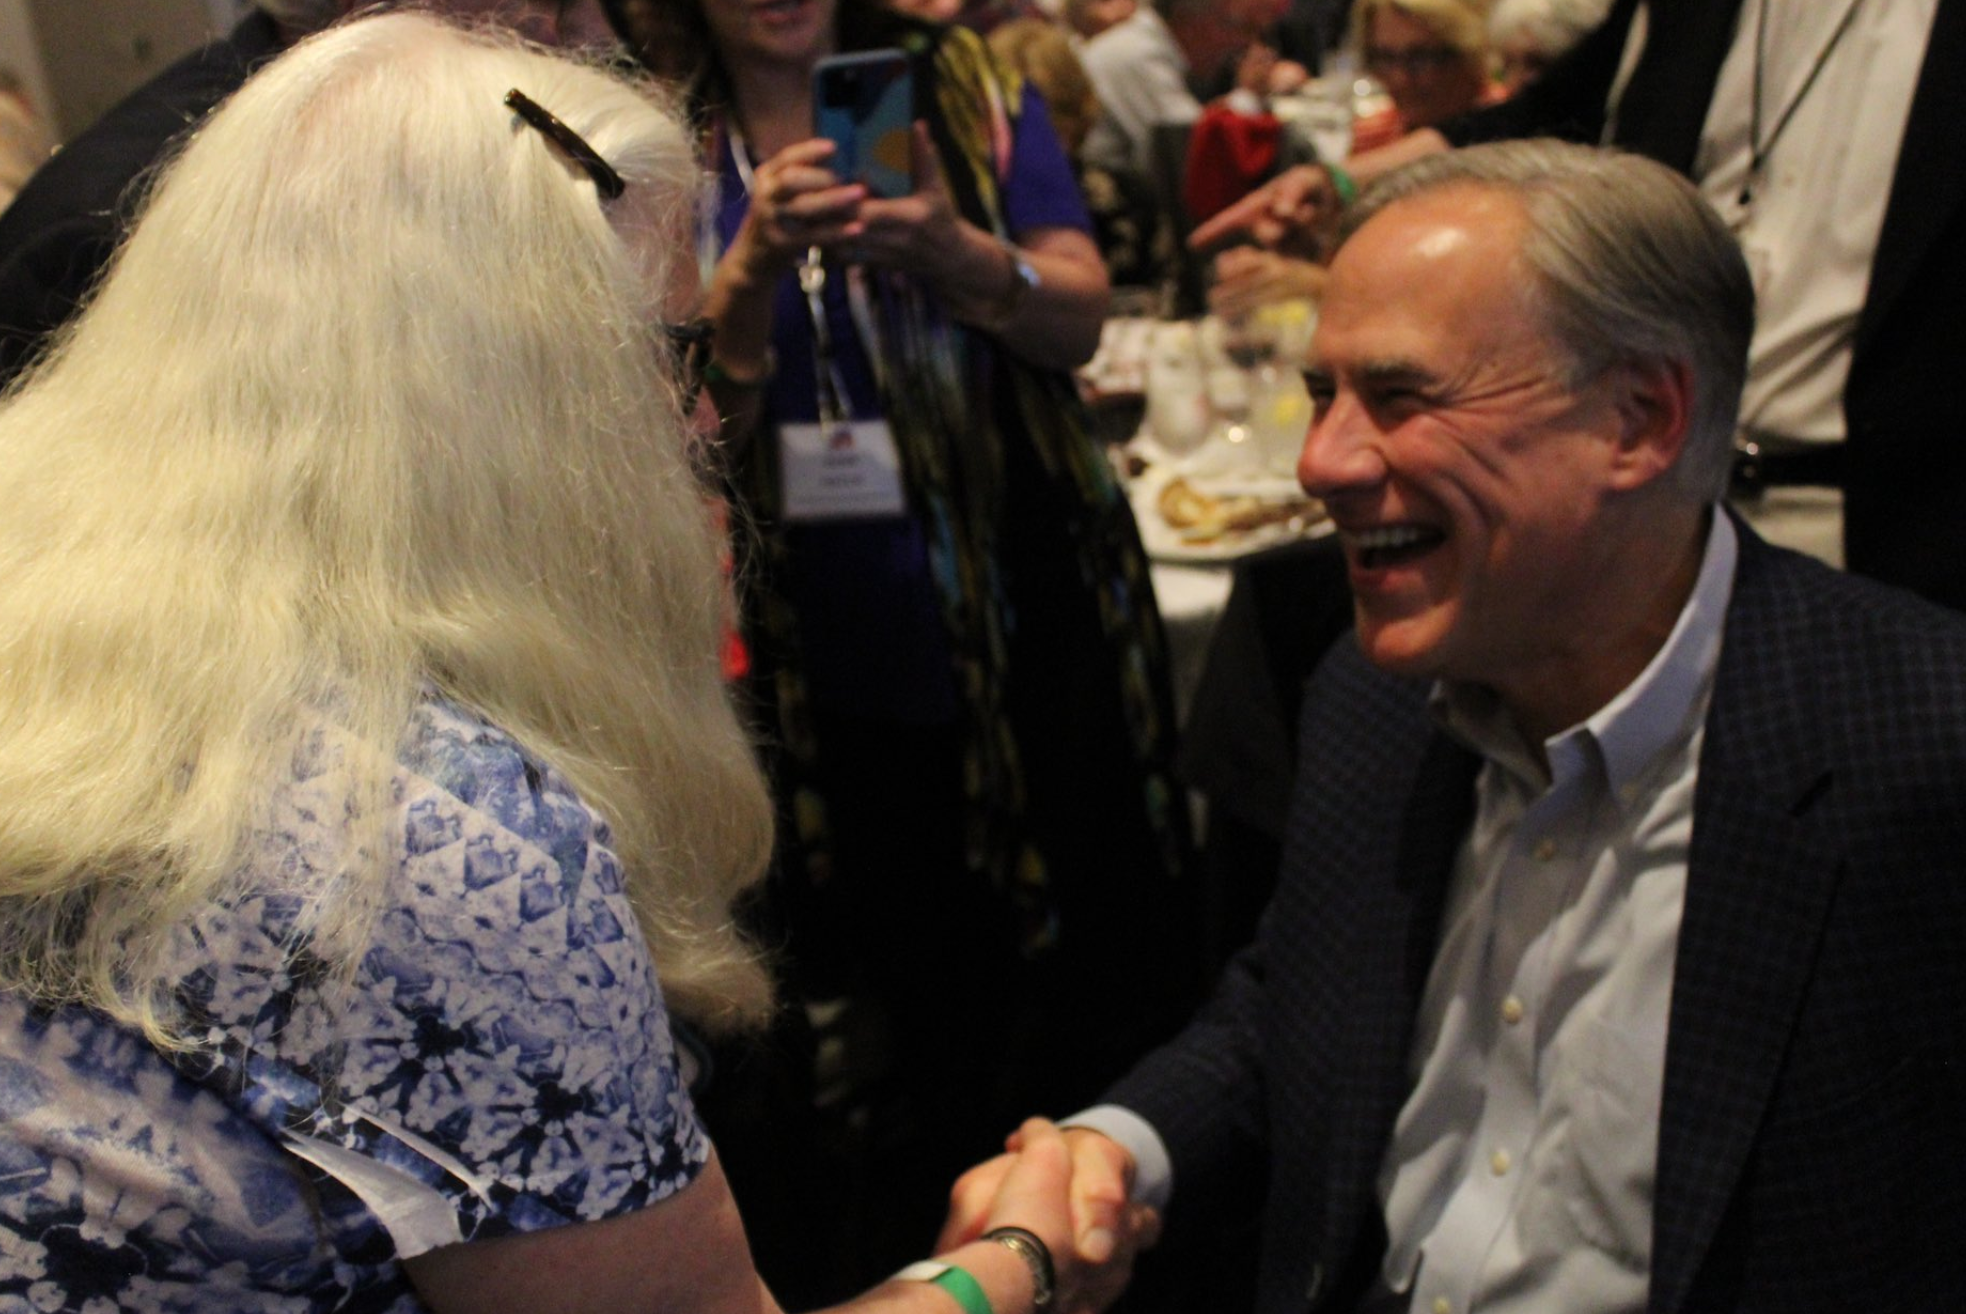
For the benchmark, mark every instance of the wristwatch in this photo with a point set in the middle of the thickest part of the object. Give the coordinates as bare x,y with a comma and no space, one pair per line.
1026,1245
1024,280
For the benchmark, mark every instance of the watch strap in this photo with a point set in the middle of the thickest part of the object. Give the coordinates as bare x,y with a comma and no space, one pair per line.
967,1291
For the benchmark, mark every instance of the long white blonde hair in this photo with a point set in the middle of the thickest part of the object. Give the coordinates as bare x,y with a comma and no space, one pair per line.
372,397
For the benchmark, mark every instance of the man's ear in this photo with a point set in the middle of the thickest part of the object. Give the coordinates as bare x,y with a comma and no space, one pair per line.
1653,400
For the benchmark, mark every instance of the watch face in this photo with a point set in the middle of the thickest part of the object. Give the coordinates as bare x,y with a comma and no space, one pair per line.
1022,279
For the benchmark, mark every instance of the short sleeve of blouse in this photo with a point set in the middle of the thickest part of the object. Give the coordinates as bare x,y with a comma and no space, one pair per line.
1042,191
508,1054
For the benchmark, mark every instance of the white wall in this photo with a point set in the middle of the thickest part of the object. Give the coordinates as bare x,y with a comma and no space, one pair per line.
89,54
227,12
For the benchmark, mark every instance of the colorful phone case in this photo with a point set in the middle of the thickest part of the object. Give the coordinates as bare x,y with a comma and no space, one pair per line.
865,104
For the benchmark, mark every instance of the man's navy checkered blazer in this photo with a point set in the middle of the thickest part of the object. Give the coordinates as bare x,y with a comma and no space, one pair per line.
1812,1143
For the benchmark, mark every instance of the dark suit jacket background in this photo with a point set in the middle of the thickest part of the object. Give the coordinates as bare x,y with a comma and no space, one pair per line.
65,224
1811,1140
1904,406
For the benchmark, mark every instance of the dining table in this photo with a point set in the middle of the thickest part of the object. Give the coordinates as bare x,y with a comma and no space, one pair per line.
1203,419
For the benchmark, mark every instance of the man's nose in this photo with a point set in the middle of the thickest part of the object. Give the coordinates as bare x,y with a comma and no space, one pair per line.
1340,452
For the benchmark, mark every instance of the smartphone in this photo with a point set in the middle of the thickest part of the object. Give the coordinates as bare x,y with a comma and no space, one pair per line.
865,105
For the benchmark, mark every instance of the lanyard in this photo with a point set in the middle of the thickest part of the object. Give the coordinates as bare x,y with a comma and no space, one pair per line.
1758,149
829,384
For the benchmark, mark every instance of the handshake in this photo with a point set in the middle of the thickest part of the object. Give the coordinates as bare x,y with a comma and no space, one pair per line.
1070,1187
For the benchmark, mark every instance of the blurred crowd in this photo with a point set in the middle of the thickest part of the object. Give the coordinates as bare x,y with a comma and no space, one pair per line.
569,665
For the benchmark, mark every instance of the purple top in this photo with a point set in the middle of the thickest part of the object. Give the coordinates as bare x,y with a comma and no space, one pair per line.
873,642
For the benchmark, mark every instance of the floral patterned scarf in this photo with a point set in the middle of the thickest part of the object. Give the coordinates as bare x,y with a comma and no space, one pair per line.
935,371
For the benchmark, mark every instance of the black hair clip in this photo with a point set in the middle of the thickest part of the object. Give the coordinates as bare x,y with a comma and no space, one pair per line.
606,180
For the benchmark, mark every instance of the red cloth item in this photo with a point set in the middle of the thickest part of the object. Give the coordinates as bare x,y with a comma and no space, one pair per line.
732,654
1229,156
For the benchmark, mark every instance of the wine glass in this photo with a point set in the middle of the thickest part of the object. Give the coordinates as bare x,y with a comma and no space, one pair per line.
1248,345
1177,393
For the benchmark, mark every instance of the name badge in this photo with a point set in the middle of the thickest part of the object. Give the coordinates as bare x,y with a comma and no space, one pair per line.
848,470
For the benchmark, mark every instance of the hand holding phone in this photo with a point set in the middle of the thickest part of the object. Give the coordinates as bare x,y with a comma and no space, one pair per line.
864,104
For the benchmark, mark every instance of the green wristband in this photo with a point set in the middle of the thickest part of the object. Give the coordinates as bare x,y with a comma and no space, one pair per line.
956,1281
1343,183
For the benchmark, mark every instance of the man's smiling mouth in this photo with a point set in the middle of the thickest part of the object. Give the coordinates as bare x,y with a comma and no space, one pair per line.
1392,545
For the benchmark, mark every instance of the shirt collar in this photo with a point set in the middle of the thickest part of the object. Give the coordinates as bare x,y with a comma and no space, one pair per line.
1647,719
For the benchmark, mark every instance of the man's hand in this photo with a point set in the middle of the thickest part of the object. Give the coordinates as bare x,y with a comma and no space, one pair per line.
1108,1230
1294,214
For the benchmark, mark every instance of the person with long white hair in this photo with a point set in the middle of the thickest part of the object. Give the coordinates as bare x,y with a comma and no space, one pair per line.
369,788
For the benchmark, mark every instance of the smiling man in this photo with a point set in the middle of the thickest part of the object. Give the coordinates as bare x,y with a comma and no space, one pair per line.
1614,961
1505,499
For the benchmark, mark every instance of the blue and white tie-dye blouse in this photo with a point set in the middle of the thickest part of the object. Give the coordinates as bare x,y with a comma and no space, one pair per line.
505,1064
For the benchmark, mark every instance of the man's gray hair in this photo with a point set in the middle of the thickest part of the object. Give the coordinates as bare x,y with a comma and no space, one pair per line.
1630,264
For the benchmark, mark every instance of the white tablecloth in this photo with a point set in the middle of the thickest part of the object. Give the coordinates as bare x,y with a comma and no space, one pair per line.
1191,600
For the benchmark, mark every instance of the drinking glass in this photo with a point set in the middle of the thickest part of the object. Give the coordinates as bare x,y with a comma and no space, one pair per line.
1177,391
1245,379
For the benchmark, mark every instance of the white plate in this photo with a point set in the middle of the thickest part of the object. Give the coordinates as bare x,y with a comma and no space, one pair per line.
1166,543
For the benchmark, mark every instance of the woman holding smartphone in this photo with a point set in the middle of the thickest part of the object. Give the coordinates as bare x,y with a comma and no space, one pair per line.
955,647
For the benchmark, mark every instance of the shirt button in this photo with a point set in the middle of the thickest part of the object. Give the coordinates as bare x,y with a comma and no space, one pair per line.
1546,850
1442,1305
1512,1010
1498,1163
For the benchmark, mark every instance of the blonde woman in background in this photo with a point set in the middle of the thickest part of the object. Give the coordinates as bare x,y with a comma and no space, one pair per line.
1432,58
368,786
1041,50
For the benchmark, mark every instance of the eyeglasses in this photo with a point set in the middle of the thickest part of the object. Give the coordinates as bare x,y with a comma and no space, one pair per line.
606,180
1415,61
692,343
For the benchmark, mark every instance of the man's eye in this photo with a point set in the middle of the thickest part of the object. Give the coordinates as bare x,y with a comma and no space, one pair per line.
1395,401
1322,392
